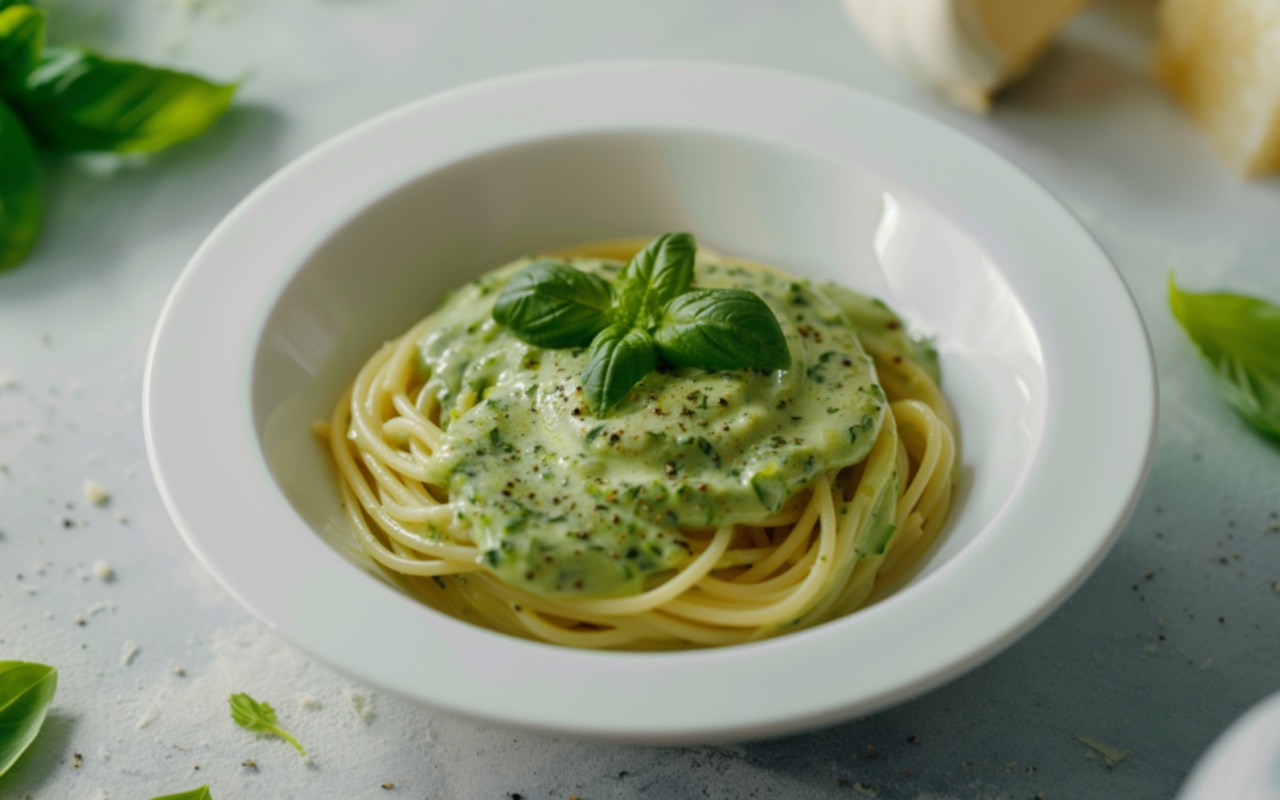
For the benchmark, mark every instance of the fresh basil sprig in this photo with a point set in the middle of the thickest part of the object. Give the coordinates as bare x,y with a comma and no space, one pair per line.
1239,337
76,101
651,312
21,208
26,690
71,100
21,40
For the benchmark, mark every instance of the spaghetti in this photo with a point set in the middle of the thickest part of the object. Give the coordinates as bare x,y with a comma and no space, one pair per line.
716,568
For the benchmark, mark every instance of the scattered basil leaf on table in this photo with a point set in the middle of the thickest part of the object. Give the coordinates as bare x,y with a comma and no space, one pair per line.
199,793
72,100
26,690
1239,338
260,718
721,329
555,305
75,100
21,209
652,311
617,360
21,41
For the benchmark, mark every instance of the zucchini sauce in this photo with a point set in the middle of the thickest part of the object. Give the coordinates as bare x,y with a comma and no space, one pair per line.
562,503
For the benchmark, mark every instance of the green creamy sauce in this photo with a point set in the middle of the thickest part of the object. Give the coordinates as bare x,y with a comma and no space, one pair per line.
561,502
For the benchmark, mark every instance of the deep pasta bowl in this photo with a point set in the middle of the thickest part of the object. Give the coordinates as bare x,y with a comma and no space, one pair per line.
353,243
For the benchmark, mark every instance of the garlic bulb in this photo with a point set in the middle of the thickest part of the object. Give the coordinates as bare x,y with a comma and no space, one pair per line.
964,48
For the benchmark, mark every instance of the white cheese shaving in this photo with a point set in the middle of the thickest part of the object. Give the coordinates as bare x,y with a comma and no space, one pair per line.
104,571
98,608
149,716
308,702
361,701
128,652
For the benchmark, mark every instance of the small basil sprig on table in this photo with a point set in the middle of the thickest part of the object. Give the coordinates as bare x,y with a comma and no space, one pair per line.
1239,337
71,100
651,311
26,690
261,719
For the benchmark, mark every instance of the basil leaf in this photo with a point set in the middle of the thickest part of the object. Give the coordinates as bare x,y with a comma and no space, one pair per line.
200,793
77,101
10,3
26,690
618,359
21,40
1239,337
554,305
658,273
21,209
260,718
721,329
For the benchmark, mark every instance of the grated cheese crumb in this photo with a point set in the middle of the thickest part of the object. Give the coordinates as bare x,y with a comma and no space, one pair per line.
149,716
361,701
308,702
179,671
128,652
104,571
1208,662
1110,755
95,492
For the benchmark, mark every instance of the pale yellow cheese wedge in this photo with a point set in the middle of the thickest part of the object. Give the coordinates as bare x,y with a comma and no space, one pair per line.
1221,59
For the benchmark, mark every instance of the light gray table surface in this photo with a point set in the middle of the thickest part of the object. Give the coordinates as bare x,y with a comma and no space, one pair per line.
1172,638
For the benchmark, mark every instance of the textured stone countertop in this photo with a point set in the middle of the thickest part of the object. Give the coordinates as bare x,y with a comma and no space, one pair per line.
1172,638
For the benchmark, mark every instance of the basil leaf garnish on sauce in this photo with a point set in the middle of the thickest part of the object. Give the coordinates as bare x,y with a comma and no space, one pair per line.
75,100
1239,338
652,311
659,272
619,357
21,208
26,690
721,329
554,305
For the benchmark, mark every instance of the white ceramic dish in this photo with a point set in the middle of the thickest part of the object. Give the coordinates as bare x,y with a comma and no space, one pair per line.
1244,762
1044,358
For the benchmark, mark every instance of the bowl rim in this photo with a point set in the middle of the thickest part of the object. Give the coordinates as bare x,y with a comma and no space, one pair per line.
322,604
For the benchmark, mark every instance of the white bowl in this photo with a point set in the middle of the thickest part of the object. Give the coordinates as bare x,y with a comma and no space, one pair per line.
1043,354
